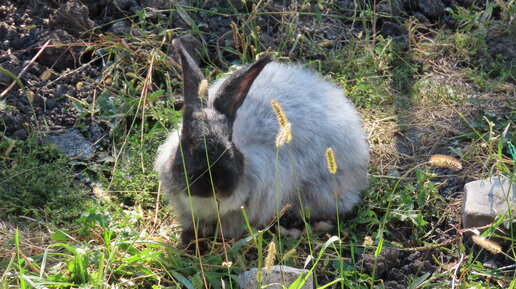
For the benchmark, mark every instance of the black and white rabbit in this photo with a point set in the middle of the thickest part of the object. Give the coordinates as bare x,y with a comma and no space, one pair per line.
235,127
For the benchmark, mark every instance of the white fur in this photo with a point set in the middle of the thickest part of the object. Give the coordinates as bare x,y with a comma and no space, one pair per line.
320,116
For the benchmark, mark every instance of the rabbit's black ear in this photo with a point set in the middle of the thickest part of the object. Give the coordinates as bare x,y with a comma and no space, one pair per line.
192,76
233,91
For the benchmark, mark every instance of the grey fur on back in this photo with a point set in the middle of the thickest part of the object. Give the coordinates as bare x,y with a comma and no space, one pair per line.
321,117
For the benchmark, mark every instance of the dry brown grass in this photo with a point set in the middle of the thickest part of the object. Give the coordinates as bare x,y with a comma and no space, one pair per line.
438,113
34,238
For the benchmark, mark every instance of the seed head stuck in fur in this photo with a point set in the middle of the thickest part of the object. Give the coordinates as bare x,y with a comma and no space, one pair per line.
280,114
203,89
285,132
330,160
444,161
284,135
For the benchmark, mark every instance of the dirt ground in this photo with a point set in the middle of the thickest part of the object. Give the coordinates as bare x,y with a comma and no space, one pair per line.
61,71
54,75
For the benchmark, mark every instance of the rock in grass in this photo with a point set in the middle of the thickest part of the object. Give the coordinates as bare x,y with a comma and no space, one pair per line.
432,9
279,275
72,144
484,200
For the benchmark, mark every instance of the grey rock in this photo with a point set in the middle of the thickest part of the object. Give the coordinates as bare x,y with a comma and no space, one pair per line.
283,275
391,29
390,8
124,4
433,9
120,27
95,132
72,144
484,200
491,264
347,7
421,18
20,134
153,15
72,16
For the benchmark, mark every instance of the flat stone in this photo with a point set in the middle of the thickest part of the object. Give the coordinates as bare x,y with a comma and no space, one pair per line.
432,9
72,144
279,276
484,200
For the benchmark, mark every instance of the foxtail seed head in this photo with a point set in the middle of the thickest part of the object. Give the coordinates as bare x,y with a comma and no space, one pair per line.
280,114
330,160
368,242
271,256
285,132
444,161
203,88
284,135
489,245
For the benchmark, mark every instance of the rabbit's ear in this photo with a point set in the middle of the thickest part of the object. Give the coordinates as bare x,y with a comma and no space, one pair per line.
233,91
192,76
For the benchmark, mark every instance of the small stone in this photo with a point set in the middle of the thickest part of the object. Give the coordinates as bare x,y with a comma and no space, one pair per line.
283,275
387,8
433,9
72,144
72,16
391,29
124,4
20,134
153,15
120,27
421,18
490,264
484,200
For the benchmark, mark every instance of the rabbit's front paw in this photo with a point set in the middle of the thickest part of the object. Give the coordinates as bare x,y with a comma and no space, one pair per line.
294,233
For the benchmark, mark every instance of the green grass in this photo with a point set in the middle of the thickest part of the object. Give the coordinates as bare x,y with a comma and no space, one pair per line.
37,181
411,94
